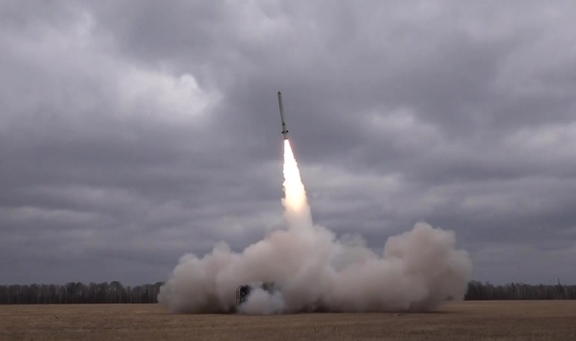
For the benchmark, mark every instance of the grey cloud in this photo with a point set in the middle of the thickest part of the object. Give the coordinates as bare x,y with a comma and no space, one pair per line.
457,114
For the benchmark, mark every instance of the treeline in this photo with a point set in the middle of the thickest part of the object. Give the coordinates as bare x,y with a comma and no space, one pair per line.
115,292
519,291
76,292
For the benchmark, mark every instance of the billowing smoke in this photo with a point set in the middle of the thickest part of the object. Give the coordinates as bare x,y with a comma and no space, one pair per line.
313,270
264,302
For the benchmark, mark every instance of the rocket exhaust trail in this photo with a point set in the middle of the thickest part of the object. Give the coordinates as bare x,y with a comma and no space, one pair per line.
297,210
295,202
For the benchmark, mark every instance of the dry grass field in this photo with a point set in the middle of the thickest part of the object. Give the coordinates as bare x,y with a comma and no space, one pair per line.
513,320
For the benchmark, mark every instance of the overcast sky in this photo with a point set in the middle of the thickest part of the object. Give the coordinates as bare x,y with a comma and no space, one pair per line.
135,131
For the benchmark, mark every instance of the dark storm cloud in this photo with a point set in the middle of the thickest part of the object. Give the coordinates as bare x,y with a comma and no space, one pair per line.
133,132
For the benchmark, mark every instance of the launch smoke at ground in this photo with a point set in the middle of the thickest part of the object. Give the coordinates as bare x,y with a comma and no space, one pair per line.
315,271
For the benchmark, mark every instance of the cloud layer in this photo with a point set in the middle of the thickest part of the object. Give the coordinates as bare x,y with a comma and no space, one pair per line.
134,132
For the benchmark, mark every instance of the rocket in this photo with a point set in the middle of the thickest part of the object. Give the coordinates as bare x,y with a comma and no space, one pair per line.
284,130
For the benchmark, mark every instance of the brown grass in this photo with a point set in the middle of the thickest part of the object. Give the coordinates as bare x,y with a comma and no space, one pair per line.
512,320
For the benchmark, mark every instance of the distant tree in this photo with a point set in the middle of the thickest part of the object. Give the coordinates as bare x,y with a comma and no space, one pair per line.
519,291
115,292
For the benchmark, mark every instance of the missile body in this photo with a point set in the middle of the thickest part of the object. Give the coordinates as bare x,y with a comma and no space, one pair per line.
284,130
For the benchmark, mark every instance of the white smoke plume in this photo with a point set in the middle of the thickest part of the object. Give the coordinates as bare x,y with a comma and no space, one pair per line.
262,302
313,270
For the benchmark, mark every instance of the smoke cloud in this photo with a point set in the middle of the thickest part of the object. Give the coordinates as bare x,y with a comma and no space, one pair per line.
313,270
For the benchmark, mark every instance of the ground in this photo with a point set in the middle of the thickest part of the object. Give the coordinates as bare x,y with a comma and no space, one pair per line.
491,320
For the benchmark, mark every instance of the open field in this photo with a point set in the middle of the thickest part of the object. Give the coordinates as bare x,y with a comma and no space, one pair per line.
496,320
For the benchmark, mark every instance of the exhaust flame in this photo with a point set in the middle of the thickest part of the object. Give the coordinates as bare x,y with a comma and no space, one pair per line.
315,271
297,210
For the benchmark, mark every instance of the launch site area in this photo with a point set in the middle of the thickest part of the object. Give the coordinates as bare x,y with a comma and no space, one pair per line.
287,170
490,320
